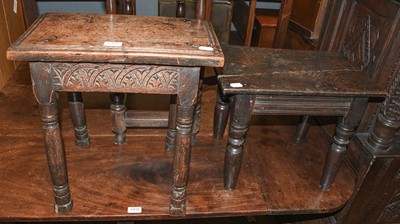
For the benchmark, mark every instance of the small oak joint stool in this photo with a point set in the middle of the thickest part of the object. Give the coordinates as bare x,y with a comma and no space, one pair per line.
116,54
288,82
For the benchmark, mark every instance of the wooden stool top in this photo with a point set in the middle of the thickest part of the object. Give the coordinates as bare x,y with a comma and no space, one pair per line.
119,39
289,72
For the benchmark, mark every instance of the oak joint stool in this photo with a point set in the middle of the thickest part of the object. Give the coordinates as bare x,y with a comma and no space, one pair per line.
116,54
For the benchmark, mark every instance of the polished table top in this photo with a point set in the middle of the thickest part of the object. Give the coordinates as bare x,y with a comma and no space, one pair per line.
119,39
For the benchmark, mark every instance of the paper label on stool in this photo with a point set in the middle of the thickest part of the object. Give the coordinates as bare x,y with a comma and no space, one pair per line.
205,48
134,210
112,44
236,85
15,6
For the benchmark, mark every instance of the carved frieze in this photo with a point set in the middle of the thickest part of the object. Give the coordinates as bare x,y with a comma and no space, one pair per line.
113,77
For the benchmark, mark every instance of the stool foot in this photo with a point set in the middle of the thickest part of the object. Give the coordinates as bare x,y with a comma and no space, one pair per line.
64,209
178,205
120,138
82,143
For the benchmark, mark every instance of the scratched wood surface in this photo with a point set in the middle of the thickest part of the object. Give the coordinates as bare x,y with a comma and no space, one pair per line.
277,177
288,72
144,40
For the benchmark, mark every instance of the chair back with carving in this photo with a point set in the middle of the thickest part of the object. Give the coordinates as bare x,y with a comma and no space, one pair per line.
365,33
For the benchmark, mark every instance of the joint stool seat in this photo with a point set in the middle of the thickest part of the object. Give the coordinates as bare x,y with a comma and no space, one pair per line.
289,82
266,71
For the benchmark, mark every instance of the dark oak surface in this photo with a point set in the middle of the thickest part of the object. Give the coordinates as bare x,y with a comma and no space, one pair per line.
289,72
78,37
106,179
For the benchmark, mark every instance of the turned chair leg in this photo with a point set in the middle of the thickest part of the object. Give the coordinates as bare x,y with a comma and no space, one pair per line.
344,130
221,114
302,128
77,110
118,110
242,107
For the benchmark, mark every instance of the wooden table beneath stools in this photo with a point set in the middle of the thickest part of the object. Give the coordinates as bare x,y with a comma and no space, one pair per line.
117,54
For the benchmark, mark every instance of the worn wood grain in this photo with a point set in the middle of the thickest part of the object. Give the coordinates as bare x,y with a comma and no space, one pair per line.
289,72
154,40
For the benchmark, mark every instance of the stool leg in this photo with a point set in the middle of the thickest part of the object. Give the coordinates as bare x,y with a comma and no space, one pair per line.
197,116
181,160
344,130
171,133
302,128
186,100
77,110
53,143
242,107
118,111
221,114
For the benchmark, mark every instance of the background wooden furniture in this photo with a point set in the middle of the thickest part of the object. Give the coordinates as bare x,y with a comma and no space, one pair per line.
265,26
305,23
244,16
11,27
221,15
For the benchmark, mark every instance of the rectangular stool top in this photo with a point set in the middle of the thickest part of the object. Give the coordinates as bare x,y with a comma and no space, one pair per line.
119,39
286,72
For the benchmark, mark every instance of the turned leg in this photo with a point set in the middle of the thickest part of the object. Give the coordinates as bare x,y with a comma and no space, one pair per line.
171,133
241,110
302,128
187,93
53,143
77,110
221,114
118,110
344,130
181,160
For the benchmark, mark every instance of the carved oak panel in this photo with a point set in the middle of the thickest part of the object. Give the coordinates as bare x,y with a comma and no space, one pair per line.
364,31
90,77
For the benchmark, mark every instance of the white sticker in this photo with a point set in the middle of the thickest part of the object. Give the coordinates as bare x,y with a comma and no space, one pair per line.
15,6
112,44
236,85
135,210
205,48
